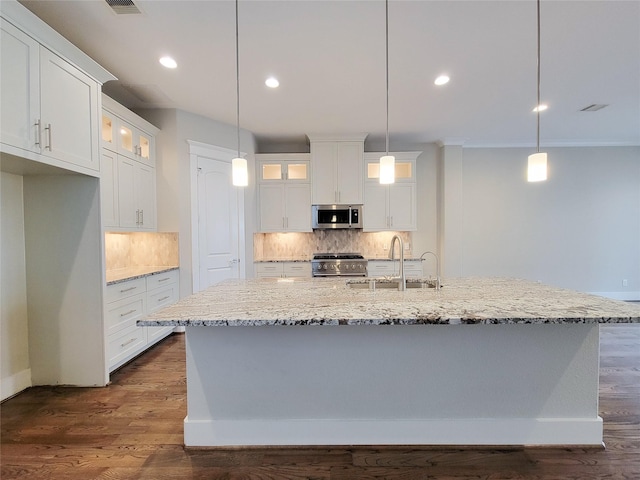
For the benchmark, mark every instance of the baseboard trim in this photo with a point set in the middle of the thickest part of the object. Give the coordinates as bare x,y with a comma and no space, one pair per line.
15,383
482,431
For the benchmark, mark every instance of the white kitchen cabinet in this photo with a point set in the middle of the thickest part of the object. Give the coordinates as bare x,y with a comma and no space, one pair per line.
394,206
284,193
285,207
130,185
50,108
127,134
337,171
290,167
382,268
282,269
129,301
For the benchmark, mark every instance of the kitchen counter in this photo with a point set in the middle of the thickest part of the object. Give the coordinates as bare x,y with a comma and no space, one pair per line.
480,362
131,273
324,301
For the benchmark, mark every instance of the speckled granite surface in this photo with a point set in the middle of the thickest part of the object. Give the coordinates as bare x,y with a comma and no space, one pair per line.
322,301
125,274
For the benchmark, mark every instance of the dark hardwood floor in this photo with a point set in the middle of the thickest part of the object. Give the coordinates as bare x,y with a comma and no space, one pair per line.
132,429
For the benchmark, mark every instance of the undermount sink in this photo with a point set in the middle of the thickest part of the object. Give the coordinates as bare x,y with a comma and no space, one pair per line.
389,283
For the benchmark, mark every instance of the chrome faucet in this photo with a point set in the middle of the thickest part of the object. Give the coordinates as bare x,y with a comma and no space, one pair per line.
437,267
402,285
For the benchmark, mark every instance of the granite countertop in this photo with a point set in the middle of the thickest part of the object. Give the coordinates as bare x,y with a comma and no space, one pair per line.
125,274
326,301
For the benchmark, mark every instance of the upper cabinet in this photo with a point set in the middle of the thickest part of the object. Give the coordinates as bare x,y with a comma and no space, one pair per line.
50,106
284,192
394,206
337,169
128,180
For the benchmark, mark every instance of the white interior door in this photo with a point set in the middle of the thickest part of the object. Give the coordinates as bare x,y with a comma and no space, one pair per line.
218,223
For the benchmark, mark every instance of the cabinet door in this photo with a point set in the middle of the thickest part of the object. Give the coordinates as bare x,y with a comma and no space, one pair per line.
350,173
324,157
19,88
376,216
269,270
296,269
127,207
402,206
109,188
69,112
145,186
272,207
298,208
145,147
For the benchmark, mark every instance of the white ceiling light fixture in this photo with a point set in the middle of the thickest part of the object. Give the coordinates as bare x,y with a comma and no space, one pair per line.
239,171
537,162
387,162
442,80
168,62
272,82
540,108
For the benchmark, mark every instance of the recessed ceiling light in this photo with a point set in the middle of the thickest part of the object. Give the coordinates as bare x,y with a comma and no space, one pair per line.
168,62
272,82
442,80
540,108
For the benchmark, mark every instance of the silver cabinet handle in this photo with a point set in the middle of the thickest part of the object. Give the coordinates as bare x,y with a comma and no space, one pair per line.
138,222
141,217
128,313
48,130
391,224
163,299
38,132
122,345
127,289
164,279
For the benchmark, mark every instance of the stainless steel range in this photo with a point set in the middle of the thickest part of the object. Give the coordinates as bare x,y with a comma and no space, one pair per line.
338,265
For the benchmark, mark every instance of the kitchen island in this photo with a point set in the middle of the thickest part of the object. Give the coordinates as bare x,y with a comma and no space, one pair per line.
317,362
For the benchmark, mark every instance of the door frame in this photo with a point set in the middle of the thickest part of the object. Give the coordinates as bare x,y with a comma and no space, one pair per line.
199,149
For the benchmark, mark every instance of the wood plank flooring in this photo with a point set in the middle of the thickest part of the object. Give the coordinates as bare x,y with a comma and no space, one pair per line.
132,429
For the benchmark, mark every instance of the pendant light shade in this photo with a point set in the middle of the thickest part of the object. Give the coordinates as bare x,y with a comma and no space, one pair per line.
239,171
537,167
387,162
537,163
387,169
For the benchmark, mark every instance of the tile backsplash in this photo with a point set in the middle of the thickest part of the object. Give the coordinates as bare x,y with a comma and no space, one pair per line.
302,246
141,249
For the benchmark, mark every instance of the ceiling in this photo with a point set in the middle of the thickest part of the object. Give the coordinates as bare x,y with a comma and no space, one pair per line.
330,59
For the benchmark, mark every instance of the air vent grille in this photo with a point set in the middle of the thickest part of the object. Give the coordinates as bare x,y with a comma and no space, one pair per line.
594,107
123,7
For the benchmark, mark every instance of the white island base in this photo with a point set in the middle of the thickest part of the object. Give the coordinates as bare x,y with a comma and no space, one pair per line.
508,384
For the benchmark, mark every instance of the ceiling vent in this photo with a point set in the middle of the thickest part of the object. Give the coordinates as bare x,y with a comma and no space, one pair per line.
594,107
123,7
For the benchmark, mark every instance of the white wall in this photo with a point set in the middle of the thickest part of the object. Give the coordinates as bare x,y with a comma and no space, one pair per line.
580,229
15,371
174,181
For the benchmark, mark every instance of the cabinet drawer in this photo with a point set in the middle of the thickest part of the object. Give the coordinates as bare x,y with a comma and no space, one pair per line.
377,269
161,279
124,344
162,297
297,269
122,290
268,269
413,269
124,313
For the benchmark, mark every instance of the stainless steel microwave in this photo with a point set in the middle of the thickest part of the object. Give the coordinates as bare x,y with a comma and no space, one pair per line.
336,216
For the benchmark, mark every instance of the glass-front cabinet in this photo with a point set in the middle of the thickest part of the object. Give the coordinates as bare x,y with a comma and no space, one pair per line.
284,192
394,206
290,167
125,139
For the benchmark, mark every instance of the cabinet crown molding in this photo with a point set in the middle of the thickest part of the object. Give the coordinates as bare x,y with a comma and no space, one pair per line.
353,137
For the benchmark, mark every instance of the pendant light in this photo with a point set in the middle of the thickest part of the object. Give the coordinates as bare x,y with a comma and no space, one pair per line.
387,162
537,163
239,173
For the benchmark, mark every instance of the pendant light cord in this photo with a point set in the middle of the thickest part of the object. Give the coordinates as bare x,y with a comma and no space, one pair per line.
237,82
387,69
538,84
